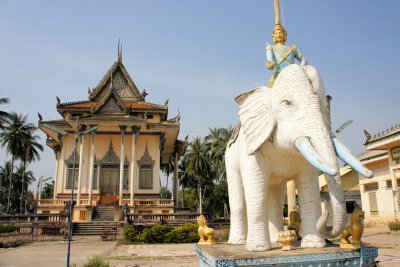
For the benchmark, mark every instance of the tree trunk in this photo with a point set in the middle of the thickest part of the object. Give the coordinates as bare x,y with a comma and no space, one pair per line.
21,203
9,188
200,201
183,197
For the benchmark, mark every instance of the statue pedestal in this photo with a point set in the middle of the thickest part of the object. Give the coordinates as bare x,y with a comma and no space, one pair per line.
236,255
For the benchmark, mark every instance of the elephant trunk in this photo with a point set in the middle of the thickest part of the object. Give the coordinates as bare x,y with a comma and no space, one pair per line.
336,193
322,156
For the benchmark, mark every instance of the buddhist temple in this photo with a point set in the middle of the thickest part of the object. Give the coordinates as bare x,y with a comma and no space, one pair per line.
120,142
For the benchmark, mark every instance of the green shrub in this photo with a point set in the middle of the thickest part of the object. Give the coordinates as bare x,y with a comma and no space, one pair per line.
186,233
6,228
395,225
155,234
96,261
130,233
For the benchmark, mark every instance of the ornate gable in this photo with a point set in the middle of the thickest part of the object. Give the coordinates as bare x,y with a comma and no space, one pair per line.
110,106
111,157
118,80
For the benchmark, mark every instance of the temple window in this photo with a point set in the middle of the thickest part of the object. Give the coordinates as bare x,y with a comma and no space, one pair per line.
70,173
146,164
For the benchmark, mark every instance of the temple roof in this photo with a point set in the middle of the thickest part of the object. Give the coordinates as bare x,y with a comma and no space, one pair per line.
387,132
131,87
115,102
389,137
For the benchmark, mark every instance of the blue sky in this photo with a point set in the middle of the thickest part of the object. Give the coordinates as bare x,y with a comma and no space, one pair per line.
199,55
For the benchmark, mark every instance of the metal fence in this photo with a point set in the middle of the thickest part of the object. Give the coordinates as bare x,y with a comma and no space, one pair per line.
34,232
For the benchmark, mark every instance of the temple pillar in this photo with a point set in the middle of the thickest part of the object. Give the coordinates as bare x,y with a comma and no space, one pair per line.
395,189
135,134
82,139
175,190
291,195
56,175
121,165
91,172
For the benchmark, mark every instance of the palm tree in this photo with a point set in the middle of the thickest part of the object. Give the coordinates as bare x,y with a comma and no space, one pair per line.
12,137
22,179
185,180
5,171
48,191
30,153
3,115
199,166
167,168
217,142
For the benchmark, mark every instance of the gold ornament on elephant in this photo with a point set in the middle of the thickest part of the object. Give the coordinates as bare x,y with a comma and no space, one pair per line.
355,229
206,233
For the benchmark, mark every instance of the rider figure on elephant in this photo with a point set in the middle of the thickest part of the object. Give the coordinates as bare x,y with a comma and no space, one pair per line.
280,55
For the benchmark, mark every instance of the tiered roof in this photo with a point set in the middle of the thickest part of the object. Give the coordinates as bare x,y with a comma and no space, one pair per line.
115,101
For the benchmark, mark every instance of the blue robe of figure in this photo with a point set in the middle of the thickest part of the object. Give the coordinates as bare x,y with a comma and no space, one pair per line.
279,56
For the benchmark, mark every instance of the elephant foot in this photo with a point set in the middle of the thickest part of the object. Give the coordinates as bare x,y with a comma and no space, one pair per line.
237,241
313,241
257,246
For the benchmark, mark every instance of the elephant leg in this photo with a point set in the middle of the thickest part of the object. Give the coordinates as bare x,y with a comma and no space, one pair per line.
307,185
275,210
238,228
255,181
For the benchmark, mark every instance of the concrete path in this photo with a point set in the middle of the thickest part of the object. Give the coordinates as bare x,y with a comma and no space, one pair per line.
388,244
51,254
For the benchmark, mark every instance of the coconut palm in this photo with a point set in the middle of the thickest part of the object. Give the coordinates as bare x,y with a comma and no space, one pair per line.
167,168
218,140
22,178
3,115
14,133
199,166
5,172
185,180
30,153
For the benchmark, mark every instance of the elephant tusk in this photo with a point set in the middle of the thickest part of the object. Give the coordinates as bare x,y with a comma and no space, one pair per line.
305,147
344,154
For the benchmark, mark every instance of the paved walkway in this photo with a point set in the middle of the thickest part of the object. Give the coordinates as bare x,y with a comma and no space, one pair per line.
388,244
51,254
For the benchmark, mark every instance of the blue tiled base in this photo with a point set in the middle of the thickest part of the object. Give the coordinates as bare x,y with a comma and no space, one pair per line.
224,255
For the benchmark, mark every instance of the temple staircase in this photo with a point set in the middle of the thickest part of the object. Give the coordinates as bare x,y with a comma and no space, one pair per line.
108,200
104,211
94,228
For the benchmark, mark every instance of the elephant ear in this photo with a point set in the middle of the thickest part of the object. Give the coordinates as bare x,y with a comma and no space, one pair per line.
256,117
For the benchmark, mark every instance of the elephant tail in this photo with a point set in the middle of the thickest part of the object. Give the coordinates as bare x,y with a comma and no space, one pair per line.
235,134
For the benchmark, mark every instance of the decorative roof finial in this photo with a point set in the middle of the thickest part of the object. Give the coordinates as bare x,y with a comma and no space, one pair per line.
119,58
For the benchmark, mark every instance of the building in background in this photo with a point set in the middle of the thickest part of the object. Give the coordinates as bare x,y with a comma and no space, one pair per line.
118,161
380,195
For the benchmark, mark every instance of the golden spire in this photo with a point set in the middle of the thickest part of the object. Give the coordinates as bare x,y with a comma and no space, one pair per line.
279,33
276,12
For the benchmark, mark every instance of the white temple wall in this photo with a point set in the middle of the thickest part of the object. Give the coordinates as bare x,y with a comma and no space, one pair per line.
381,196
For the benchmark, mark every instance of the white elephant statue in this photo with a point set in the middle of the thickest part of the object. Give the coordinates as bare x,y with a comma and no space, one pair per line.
285,134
